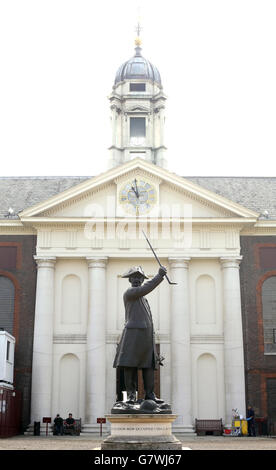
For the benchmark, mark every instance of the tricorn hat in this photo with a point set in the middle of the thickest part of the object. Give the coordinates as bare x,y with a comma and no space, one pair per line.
134,270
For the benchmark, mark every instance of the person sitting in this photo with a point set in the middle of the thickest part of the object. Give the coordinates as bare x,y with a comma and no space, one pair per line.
70,424
58,422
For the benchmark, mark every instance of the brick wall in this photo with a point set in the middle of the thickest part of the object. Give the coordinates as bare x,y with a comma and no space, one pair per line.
17,263
258,264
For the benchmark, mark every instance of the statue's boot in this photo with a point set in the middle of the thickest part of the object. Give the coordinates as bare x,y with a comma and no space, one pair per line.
131,398
152,396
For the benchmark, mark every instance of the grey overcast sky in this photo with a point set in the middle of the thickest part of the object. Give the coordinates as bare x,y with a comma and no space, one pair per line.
58,60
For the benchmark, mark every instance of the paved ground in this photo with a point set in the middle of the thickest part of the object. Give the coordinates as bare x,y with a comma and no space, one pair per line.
94,442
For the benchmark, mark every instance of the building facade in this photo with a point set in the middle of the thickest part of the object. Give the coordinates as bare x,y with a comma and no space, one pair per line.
75,237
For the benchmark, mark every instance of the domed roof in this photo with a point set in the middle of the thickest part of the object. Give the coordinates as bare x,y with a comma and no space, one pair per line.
137,67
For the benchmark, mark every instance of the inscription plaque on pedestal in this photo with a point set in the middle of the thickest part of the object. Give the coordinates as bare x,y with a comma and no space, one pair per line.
141,432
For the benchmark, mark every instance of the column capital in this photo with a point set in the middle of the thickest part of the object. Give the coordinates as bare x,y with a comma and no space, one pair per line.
97,261
45,261
179,262
230,261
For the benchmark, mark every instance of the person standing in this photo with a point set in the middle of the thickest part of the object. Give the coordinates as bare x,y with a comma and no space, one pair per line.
251,421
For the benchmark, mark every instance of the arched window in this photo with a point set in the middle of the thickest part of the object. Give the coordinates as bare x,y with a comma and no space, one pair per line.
7,295
269,314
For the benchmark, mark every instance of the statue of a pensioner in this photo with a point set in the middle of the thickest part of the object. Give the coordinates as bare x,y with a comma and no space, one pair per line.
137,349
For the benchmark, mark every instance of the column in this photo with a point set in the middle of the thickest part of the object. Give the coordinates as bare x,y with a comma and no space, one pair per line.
181,387
43,340
233,338
96,331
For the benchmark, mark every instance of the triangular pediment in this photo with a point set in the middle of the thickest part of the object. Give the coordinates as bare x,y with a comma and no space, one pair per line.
80,201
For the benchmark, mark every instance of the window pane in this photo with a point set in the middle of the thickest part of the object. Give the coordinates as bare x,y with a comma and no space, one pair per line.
8,351
6,304
137,87
137,127
269,313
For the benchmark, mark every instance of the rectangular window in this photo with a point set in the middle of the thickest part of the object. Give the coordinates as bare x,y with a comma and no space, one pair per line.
137,127
269,314
137,87
8,351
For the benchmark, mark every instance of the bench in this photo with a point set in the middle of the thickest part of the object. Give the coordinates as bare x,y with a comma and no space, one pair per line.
77,427
205,427
73,432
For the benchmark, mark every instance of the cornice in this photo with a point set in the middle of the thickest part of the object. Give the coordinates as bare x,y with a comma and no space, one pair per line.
209,339
69,339
217,222
17,228
75,200
258,231
201,200
137,172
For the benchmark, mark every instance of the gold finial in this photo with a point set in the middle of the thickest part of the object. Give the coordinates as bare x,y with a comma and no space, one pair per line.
138,41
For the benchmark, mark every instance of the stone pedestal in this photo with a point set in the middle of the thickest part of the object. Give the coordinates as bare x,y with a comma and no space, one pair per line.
141,432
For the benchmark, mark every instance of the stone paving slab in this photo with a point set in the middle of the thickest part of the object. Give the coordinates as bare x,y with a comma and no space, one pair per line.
93,442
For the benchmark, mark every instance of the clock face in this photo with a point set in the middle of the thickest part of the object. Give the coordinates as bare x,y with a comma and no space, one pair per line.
138,196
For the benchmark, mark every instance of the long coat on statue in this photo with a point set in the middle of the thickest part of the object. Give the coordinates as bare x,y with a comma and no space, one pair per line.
137,344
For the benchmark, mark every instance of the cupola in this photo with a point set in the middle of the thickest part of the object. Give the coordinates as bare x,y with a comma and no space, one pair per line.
137,106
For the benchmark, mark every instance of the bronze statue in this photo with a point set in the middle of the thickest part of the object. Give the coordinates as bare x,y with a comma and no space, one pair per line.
137,349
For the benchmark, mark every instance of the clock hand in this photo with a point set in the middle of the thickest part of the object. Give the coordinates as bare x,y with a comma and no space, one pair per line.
135,191
135,181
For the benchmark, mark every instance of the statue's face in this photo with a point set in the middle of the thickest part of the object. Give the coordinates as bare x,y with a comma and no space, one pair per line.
136,280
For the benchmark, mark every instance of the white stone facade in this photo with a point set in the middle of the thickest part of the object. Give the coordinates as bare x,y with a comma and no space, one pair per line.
79,309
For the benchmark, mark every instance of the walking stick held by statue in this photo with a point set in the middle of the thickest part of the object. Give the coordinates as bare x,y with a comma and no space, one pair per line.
157,259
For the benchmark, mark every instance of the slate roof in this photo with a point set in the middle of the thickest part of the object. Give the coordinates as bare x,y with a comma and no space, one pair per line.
255,193
22,192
